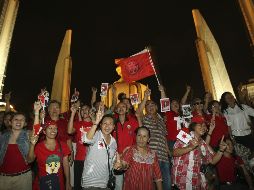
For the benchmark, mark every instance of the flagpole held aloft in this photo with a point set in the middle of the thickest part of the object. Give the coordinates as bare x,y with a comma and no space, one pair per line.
151,62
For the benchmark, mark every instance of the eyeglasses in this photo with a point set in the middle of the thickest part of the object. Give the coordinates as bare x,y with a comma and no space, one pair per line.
198,103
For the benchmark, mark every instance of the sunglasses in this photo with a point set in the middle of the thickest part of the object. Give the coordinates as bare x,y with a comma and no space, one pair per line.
198,103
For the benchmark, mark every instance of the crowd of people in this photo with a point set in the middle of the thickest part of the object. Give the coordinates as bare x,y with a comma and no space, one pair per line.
93,147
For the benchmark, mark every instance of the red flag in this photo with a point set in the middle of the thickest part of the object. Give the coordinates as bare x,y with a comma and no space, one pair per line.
137,66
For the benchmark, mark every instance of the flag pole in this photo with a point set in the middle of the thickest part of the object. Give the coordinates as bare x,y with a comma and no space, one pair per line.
151,62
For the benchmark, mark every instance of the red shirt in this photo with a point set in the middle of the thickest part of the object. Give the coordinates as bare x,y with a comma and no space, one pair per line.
226,168
51,161
13,161
81,148
221,128
143,170
126,133
171,125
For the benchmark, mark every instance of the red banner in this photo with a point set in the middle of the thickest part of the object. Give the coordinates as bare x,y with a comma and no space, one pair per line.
136,67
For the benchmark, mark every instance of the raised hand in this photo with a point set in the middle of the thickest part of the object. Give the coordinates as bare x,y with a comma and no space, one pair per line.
99,114
73,108
7,97
223,145
161,88
33,138
37,106
94,90
147,92
208,96
188,88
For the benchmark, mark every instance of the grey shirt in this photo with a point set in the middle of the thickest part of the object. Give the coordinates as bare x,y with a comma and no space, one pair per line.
95,172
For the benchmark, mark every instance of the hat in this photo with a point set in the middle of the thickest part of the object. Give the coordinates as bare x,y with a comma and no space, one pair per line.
198,119
48,123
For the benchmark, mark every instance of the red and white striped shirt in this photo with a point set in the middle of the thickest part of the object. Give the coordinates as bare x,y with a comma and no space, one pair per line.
186,168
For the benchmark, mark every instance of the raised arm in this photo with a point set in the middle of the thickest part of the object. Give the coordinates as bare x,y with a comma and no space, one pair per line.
93,99
71,129
7,98
207,99
142,105
114,98
99,115
186,94
162,90
218,155
33,137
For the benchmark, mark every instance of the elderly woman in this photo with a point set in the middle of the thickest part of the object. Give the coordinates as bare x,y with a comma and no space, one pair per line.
141,164
190,159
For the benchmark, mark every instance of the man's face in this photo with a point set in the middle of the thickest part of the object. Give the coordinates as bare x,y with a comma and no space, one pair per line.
54,109
121,108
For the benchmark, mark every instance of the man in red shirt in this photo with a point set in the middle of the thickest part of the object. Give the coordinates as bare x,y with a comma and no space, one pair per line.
78,128
124,134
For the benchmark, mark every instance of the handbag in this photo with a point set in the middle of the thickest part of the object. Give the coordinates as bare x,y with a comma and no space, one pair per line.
51,181
111,178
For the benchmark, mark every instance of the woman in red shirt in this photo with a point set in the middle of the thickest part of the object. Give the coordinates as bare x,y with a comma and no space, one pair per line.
141,164
79,128
220,124
227,170
52,156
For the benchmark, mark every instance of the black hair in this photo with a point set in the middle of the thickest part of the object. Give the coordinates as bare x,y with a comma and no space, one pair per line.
224,104
131,110
121,96
18,113
210,105
55,102
192,126
8,113
143,127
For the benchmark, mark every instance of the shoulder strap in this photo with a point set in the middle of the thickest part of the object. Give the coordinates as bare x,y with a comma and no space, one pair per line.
109,171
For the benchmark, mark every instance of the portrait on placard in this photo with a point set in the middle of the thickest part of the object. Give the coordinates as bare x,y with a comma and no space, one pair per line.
165,104
134,99
186,109
104,89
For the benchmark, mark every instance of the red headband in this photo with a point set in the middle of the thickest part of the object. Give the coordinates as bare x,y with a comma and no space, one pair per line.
198,119
48,123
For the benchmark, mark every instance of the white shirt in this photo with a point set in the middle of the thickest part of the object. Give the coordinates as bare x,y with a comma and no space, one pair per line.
239,120
95,172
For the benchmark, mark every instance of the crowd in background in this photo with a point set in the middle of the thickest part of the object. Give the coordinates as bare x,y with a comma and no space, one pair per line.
95,147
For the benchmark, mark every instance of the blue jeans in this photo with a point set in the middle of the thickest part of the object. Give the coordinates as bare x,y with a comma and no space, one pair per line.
165,172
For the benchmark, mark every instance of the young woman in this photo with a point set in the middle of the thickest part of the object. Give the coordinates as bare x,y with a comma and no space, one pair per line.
52,157
220,128
78,128
100,153
227,170
237,116
141,164
188,159
15,172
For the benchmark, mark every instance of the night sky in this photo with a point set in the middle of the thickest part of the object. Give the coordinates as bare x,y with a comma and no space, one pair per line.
104,31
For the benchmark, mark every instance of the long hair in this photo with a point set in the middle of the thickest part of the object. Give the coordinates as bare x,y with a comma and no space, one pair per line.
224,104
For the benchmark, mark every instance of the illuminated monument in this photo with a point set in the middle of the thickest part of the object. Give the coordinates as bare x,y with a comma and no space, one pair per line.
214,73
247,8
8,10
